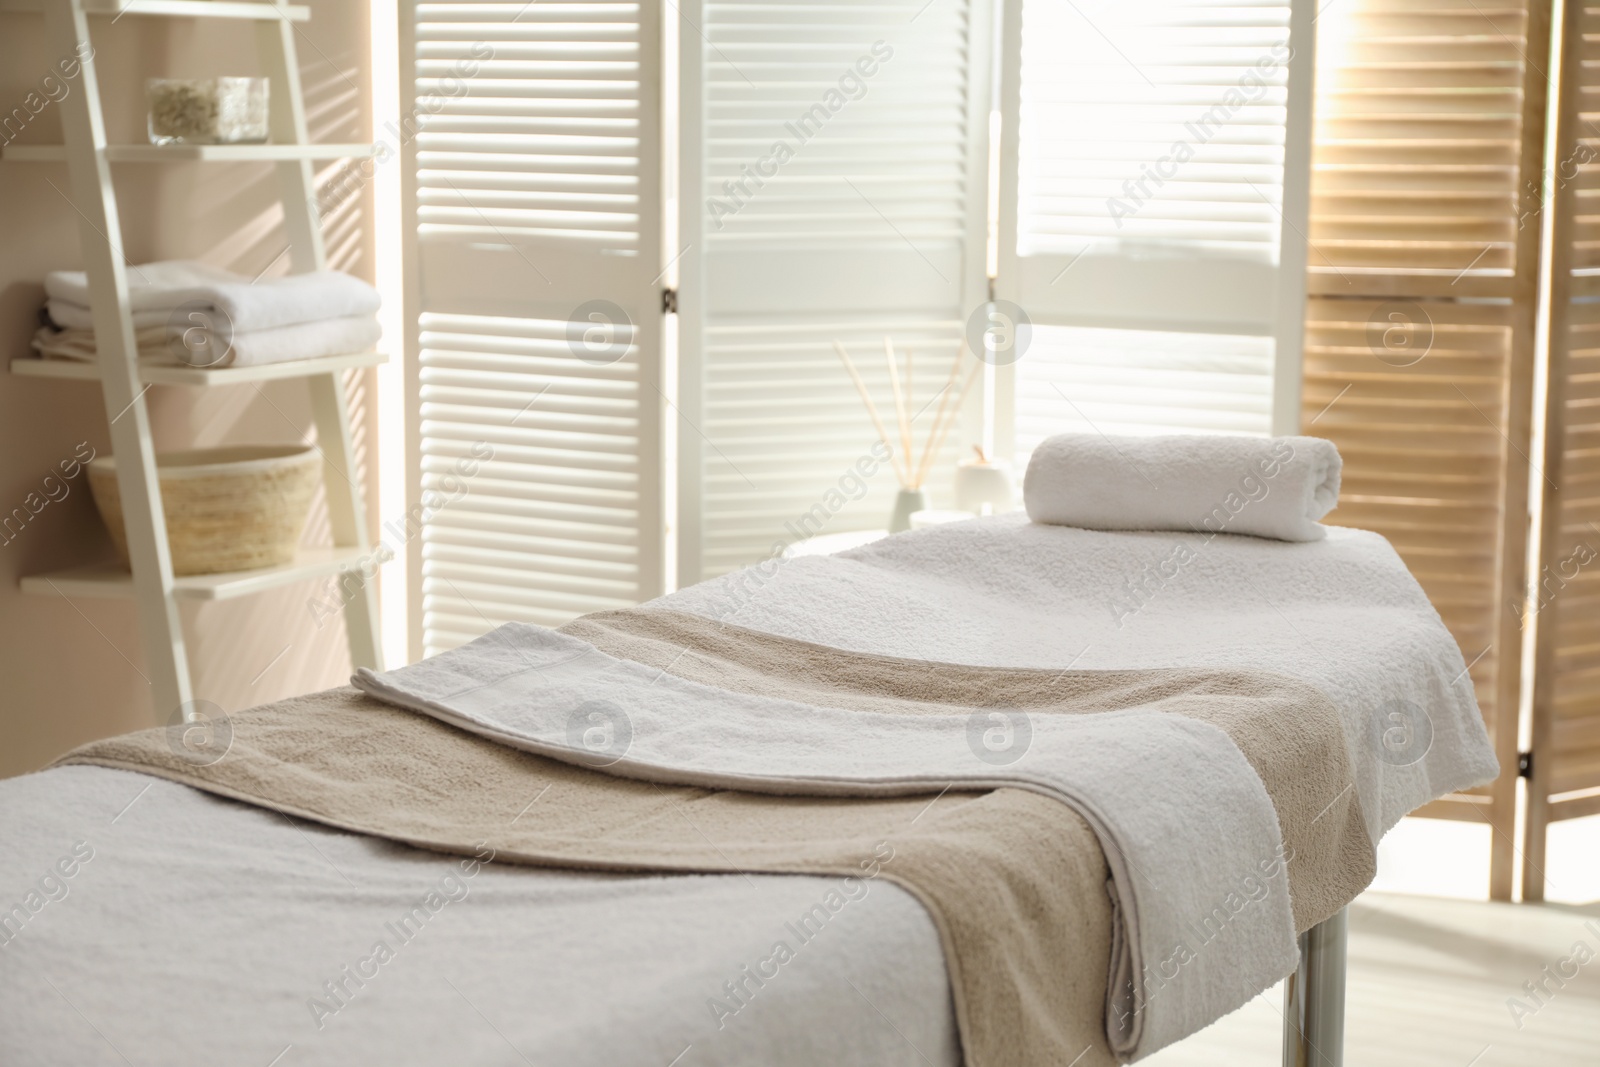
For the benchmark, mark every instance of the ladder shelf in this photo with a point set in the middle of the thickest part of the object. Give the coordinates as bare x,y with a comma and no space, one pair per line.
153,373
110,580
194,153
213,9
124,378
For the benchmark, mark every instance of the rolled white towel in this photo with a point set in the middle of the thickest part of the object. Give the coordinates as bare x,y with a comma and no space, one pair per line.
1275,487
161,288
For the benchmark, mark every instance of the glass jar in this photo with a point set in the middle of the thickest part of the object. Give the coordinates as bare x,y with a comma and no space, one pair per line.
207,110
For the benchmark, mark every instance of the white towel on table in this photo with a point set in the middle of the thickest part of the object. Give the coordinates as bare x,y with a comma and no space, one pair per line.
309,340
1342,613
1181,814
248,305
1275,487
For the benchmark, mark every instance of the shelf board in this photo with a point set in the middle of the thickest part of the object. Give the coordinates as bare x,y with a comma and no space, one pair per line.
180,374
111,581
215,9
194,153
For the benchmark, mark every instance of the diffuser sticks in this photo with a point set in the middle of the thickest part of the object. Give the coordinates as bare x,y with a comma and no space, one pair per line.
910,470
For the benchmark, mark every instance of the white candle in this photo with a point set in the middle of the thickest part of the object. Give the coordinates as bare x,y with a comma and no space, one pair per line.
984,487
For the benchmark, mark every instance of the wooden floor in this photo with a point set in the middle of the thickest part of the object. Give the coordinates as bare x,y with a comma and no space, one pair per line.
1429,982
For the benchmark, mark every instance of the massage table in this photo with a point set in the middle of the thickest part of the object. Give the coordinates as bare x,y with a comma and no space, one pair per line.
198,929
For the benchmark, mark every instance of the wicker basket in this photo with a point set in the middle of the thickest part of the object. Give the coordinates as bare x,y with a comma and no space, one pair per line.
227,509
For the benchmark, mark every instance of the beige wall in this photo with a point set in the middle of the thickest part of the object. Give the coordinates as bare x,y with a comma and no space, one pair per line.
70,670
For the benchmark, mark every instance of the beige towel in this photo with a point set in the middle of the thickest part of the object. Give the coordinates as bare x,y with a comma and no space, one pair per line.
1299,753
1015,881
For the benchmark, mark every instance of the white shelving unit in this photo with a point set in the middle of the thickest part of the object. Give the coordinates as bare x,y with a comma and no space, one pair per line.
194,153
152,373
124,378
175,8
107,580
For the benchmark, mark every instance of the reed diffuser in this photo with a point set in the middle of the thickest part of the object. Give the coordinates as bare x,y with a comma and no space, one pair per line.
910,468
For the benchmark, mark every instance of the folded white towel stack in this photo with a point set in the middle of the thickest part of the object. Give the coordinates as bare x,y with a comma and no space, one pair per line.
69,316
1275,487
306,340
150,285
301,316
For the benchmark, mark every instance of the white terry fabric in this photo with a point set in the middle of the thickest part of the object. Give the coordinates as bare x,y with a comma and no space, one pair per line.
1343,614
151,286
249,305
1182,816
201,928
306,340
255,348
80,345
70,316
1270,487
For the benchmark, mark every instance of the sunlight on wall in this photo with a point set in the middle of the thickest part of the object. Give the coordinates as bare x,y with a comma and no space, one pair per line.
391,402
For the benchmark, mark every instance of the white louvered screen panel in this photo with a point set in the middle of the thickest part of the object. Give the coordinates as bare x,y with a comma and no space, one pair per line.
892,152
530,122
548,524
1149,147
835,158
533,190
1080,380
1153,125
1150,155
786,429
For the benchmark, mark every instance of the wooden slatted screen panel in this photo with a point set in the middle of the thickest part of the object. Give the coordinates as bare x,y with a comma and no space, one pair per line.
1565,601
1420,327
1569,576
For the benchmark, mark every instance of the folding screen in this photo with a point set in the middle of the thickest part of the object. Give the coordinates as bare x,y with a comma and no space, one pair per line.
1564,605
532,145
1423,275
833,178
1150,155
